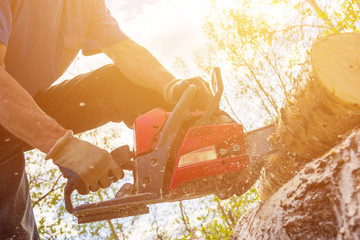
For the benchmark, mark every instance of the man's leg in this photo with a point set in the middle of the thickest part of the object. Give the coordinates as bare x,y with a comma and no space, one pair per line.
93,99
16,214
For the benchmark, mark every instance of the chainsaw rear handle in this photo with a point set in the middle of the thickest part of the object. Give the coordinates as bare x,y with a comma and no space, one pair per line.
122,157
73,178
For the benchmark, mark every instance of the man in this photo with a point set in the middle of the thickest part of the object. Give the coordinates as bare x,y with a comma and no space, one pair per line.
38,41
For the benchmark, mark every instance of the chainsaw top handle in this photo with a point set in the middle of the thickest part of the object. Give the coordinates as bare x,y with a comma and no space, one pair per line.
218,88
184,105
216,81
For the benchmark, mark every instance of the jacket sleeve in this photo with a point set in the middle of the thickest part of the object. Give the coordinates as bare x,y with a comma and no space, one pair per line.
103,30
5,21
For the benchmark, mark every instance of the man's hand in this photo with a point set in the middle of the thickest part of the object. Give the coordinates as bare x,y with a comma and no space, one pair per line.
93,165
174,90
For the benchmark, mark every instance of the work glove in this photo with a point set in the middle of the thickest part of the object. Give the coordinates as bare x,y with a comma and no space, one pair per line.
174,90
93,165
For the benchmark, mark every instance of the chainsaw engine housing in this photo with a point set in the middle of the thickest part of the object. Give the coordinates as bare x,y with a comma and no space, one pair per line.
199,153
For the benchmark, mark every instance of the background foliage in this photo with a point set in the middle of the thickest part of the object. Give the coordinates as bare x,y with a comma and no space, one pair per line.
260,47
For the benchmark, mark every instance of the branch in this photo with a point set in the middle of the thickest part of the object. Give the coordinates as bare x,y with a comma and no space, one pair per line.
51,190
184,217
223,213
232,110
277,73
230,214
321,13
112,228
357,3
260,86
158,233
298,26
203,223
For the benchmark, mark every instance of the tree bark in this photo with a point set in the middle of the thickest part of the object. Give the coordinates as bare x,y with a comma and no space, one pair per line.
321,202
323,105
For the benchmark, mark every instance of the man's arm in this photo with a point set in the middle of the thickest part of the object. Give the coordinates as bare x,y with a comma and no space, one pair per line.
20,114
139,65
142,68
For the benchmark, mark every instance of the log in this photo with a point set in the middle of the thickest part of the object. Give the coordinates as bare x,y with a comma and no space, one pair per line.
323,105
321,202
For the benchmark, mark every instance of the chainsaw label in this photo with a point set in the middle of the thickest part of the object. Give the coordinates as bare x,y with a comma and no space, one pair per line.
198,156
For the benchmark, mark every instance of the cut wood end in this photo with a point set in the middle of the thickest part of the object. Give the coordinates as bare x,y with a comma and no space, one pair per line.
336,64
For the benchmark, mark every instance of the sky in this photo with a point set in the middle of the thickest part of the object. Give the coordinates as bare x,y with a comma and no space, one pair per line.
167,28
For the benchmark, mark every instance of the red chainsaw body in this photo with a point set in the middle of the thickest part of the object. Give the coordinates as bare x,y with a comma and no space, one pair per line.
205,151
179,156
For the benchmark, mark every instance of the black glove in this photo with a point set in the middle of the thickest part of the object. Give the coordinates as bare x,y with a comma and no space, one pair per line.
174,90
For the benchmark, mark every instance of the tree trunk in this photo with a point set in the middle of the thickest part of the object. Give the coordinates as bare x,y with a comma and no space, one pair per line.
321,197
321,202
323,105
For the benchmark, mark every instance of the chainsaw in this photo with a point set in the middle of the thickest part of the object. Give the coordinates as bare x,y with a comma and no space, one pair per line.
182,155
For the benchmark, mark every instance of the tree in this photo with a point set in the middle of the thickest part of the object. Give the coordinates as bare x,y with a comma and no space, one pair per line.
322,200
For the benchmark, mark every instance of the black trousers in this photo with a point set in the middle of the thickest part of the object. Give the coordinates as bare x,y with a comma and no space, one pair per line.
83,103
